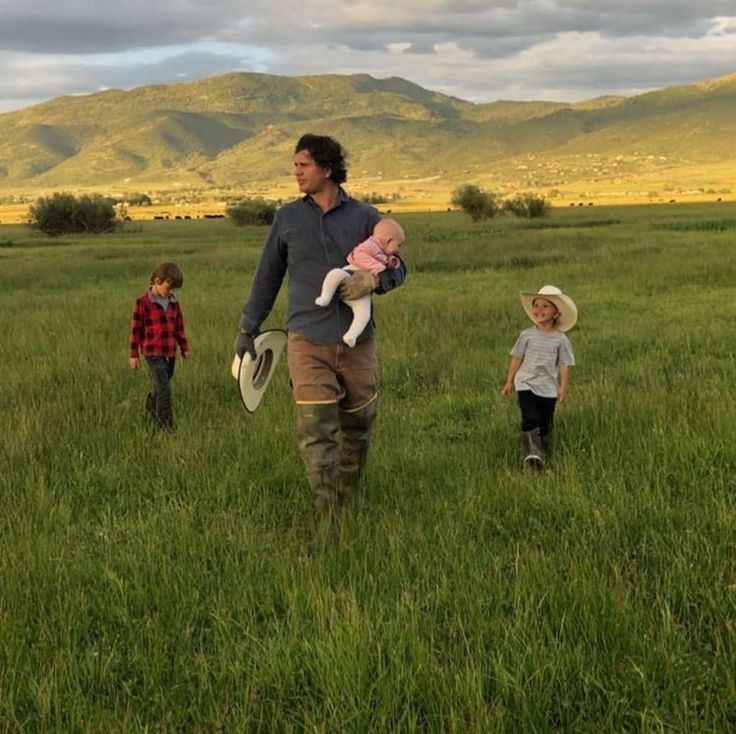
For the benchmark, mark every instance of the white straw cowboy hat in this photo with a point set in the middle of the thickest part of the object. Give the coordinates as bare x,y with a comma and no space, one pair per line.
568,315
253,377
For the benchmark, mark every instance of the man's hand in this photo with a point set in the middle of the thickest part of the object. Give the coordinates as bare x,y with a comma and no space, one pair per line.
244,343
360,283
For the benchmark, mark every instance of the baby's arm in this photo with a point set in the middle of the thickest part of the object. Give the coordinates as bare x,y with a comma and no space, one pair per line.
514,365
562,380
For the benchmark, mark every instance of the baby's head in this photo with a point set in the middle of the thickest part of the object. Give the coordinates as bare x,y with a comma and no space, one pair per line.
390,234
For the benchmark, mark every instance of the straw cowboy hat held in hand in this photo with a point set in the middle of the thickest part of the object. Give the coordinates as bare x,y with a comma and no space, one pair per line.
568,311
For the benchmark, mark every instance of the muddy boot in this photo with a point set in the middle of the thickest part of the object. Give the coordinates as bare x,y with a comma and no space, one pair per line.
356,429
534,459
317,427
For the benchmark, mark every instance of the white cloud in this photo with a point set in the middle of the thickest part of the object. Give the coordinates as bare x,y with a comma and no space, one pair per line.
474,49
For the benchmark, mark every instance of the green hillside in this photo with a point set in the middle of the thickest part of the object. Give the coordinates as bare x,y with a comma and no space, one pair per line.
238,130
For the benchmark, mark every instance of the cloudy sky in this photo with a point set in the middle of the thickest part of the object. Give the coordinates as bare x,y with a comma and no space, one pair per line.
565,50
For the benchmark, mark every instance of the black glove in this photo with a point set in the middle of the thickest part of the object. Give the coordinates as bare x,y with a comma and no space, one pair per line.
244,343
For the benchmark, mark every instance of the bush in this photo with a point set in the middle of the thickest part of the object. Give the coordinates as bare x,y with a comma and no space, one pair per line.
139,199
64,213
477,203
251,211
527,205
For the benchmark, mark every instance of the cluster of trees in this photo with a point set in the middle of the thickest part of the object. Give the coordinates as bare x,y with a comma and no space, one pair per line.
64,213
251,211
376,198
138,199
480,204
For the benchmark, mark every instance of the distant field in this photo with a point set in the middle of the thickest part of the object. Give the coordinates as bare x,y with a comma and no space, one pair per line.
413,201
161,584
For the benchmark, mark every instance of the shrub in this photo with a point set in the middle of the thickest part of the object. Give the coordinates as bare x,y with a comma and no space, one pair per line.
474,201
139,199
64,213
527,205
251,211
374,198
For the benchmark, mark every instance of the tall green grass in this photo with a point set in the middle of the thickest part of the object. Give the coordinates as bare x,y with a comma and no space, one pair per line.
162,584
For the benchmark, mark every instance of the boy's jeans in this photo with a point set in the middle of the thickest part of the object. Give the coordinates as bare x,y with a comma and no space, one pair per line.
162,372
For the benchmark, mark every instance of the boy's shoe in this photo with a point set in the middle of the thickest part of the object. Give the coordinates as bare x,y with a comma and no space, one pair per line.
533,463
165,421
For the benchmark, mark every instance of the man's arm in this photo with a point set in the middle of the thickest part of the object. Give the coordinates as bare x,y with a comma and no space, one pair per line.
266,283
391,278
362,282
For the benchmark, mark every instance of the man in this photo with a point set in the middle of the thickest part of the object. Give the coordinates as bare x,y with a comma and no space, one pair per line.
334,385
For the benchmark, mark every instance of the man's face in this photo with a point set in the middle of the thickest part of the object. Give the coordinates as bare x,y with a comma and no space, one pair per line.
310,176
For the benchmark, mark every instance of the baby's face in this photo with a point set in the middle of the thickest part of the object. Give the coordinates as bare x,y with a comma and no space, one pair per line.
390,235
392,246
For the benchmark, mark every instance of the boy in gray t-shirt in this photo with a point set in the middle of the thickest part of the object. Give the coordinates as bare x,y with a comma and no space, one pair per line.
539,369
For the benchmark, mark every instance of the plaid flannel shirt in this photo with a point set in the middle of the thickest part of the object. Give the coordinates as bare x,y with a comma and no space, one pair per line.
155,331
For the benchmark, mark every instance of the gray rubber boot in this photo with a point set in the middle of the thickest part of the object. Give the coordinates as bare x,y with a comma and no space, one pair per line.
356,427
317,427
547,442
534,459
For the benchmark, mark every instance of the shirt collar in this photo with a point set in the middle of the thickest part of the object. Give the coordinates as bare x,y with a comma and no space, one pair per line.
342,197
171,298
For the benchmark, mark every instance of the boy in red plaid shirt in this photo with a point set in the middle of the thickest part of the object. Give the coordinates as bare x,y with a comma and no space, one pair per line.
156,328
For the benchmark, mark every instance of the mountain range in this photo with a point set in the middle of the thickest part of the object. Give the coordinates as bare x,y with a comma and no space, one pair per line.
238,131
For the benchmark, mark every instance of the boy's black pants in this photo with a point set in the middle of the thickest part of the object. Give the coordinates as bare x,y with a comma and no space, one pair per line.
536,412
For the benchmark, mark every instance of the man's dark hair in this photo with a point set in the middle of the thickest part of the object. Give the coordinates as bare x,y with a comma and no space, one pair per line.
327,153
168,273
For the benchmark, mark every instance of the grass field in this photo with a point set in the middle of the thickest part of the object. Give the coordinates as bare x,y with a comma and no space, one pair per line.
154,583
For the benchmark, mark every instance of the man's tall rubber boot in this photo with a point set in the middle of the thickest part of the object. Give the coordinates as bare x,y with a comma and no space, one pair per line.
317,427
356,427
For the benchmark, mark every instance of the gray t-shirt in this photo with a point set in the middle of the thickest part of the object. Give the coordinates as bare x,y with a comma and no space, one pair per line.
541,355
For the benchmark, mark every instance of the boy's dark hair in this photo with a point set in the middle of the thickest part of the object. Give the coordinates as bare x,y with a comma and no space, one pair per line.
169,273
327,153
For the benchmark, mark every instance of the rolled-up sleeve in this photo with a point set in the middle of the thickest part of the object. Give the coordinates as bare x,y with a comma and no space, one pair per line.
391,278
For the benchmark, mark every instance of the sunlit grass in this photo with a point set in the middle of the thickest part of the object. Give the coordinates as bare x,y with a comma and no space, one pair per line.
162,583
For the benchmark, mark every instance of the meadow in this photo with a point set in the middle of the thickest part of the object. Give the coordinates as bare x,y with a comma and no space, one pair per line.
156,583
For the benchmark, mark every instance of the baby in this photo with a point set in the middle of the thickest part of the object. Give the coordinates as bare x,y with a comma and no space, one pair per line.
376,254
